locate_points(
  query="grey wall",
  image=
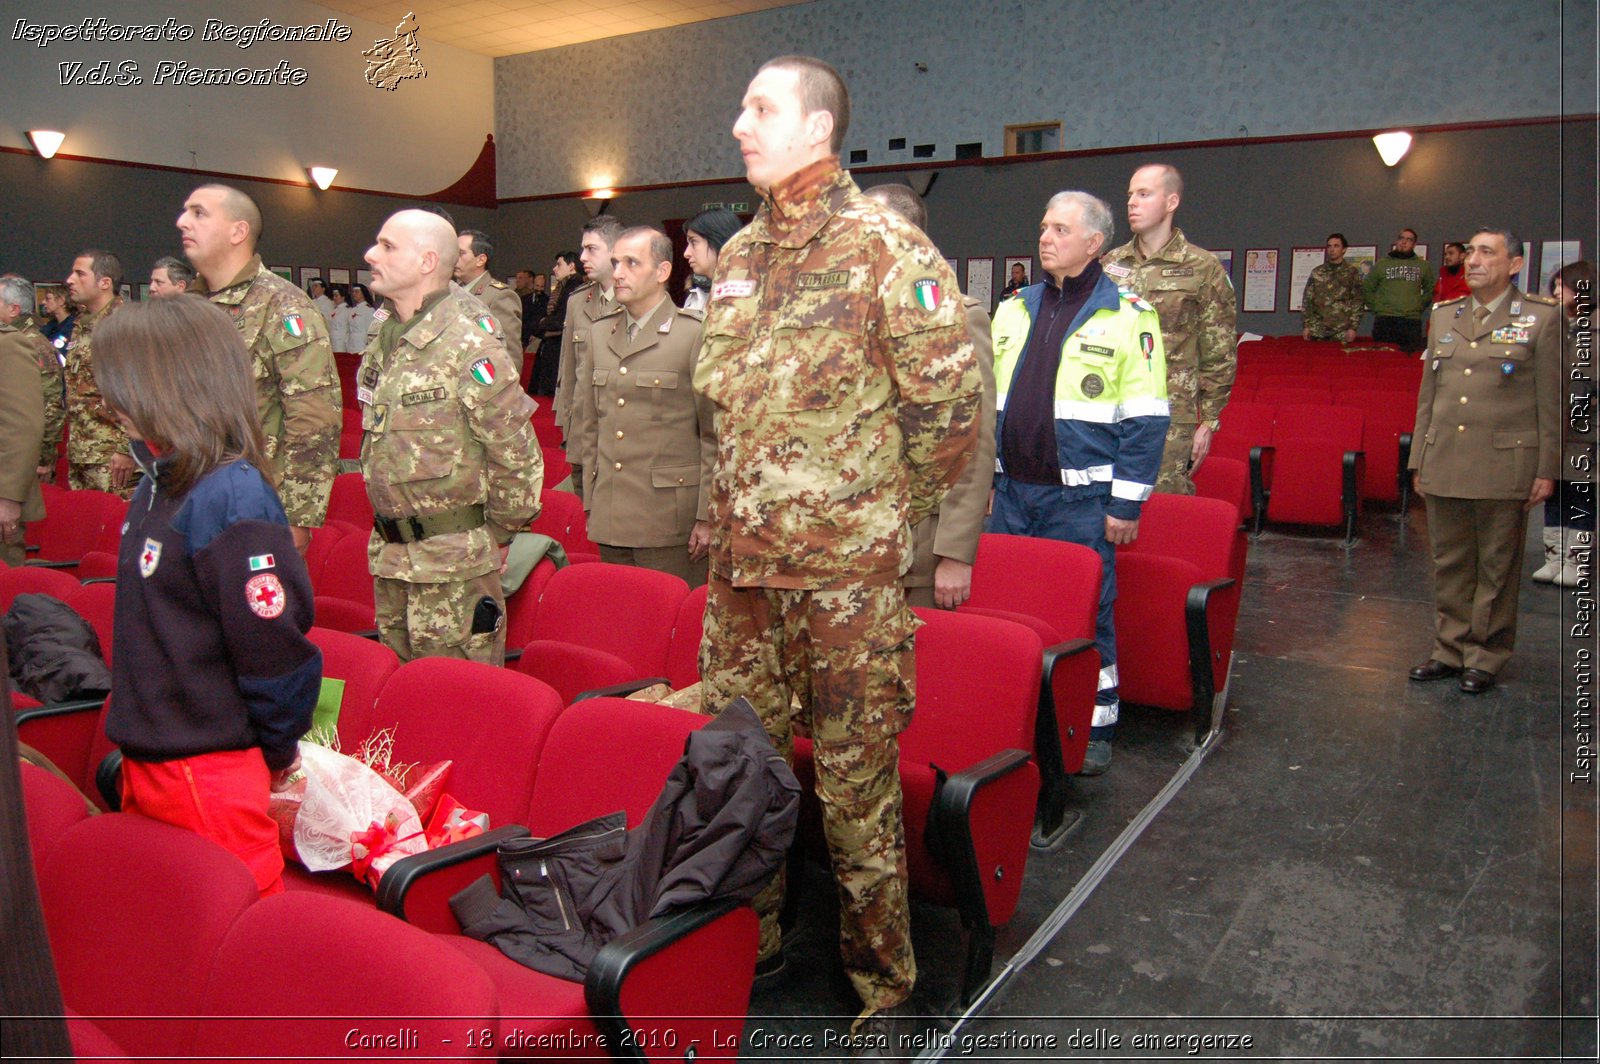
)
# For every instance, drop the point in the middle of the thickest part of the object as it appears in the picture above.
(658, 107)
(1538, 179)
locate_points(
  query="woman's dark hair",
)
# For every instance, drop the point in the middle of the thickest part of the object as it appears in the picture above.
(366, 293)
(716, 226)
(178, 370)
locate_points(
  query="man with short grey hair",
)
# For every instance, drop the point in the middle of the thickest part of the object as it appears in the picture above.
(170, 277)
(16, 310)
(22, 422)
(1081, 377)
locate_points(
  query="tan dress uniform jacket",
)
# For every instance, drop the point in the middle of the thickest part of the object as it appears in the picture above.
(587, 309)
(21, 426)
(53, 383)
(1489, 408)
(953, 529)
(650, 435)
(506, 306)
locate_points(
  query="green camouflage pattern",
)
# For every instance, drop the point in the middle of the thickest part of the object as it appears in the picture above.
(94, 434)
(836, 666)
(1173, 476)
(1195, 301)
(297, 385)
(1333, 303)
(96, 478)
(434, 620)
(52, 380)
(845, 386)
(439, 437)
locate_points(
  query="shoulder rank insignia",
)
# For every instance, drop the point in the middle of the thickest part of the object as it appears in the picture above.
(1450, 302)
(497, 284)
(1541, 300)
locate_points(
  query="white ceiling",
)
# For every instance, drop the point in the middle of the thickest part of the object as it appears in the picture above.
(511, 27)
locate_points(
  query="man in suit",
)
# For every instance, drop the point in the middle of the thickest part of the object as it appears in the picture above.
(1486, 450)
(648, 443)
(945, 543)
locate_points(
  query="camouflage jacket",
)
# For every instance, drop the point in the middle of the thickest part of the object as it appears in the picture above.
(846, 389)
(1192, 295)
(1333, 303)
(54, 384)
(297, 386)
(446, 425)
(94, 434)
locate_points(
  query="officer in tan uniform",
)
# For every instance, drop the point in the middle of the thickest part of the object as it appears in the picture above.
(16, 304)
(452, 466)
(587, 308)
(97, 445)
(945, 544)
(648, 444)
(297, 386)
(21, 426)
(505, 306)
(1194, 298)
(847, 399)
(1485, 451)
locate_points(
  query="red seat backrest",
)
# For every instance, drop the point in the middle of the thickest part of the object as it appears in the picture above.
(322, 541)
(79, 523)
(52, 805)
(342, 615)
(524, 604)
(97, 604)
(977, 689)
(1057, 582)
(561, 518)
(1275, 396)
(345, 573)
(621, 609)
(491, 722)
(1228, 479)
(556, 466)
(1330, 424)
(348, 501)
(30, 580)
(364, 666)
(1191, 527)
(98, 565)
(605, 755)
(1248, 423)
(683, 655)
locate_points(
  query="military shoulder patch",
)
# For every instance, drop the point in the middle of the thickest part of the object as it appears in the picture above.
(482, 371)
(487, 323)
(1137, 301)
(927, 292)
(294, 325)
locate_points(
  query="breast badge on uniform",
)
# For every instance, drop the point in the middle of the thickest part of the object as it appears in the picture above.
(149, 558)
(264, 595)
(927, 293)
(1092, 385)
(482, 371)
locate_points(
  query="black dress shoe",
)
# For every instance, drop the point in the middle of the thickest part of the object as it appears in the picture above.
(1433, 669)
(1476, 681)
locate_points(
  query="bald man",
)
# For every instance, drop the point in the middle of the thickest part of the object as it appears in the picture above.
(297, 386)
(453, 468)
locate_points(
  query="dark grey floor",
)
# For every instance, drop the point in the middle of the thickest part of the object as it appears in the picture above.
(1362, 867)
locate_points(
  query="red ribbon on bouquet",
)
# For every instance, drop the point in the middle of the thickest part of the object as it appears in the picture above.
(370, 845)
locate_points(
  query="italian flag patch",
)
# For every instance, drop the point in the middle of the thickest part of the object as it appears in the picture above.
(294, 325)
(482, 371)
(487, 323)
(927, 291)
(261, 561)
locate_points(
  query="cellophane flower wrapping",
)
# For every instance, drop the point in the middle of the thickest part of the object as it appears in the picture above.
(340, 800)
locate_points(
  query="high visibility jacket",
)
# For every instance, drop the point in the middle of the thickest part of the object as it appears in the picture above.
(1111, 412)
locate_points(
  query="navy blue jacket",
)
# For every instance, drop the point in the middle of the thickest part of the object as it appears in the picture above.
(213, 603)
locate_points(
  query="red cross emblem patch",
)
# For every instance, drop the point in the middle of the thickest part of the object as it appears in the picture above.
(149, 558)
(265, 596)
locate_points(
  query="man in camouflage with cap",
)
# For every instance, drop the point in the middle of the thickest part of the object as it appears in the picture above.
(97, 445)
(846, 399)
(452, 465)
(16, 310)
(297, 386)
(1192, 294)
(1333, 304)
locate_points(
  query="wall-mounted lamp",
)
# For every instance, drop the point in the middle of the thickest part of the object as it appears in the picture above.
(922, 181)
(46, 141)
(1392, 147)
(322, 176)
(599, 199)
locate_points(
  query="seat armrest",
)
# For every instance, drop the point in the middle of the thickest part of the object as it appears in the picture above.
(41, 563)
(1202, 674)
(417, 888)
(676, 982)
(620, 690)
(108, 780)
(1260, 482)
(1055, 730)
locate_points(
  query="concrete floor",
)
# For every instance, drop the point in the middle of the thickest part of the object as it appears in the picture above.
(1361, 868)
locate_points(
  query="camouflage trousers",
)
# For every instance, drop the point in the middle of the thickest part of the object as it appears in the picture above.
(98, 478)
(436, 620)
(844, 658)
(1174, 476)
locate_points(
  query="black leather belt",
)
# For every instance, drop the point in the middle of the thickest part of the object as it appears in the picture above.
(412, 529)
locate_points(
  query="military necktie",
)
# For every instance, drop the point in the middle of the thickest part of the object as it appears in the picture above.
(633, 331)
(1480, 316)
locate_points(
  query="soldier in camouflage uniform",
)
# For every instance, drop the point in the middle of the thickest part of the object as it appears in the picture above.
(1192, 294)
(297, 386)
(97, 445)
(452, 465)
(1333, 303)
(846, 400)
(16, 304)
(21, 421)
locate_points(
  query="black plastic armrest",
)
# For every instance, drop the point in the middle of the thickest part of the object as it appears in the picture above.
(1196, 610)
(108, 780)
(954, 820)
(408, 871)
(514, 653)
(99, 580)
(369, 633)
(620, 690)
(1354, 465)
(602, 988)
(57, 709)
(31, 548)
(1259, 492)
(1047, 727)
(41, 563)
